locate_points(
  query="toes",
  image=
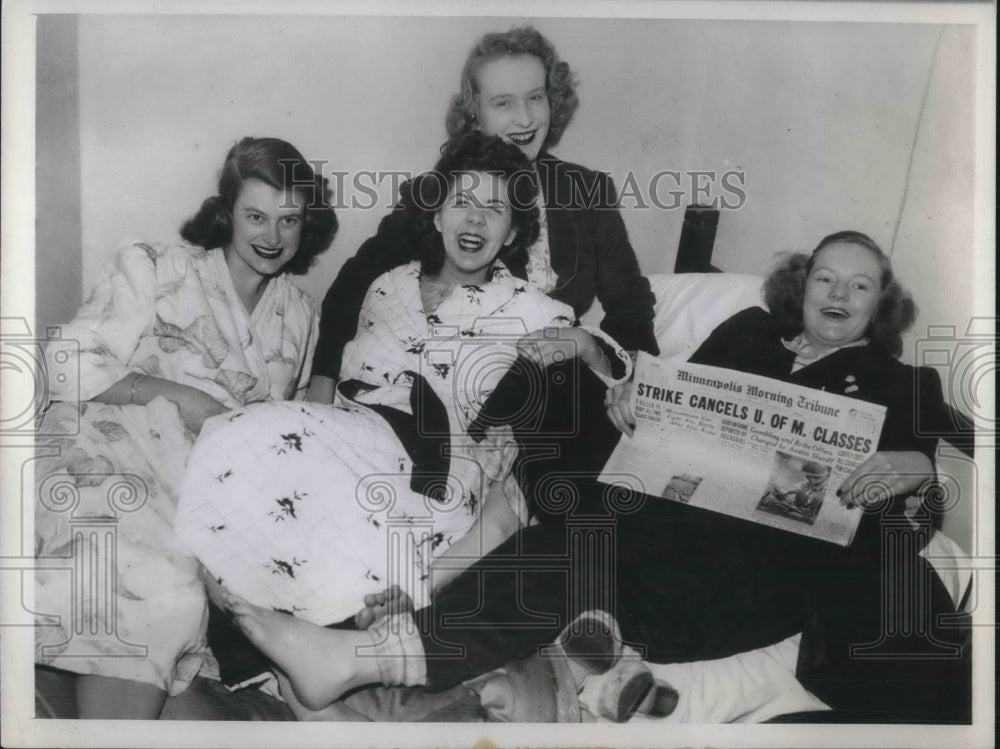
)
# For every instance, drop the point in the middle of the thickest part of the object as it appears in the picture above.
(401, 603)
(364, 618)
(392, 600)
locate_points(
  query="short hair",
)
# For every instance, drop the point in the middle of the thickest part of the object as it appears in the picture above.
(474, 152)
(784, 293)
(280, 165)
(463, 111)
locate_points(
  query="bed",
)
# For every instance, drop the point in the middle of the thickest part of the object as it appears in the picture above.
(755, 686)
(759, 685)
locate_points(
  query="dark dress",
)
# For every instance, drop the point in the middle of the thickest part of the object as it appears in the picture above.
(688, 584)
(589, 252)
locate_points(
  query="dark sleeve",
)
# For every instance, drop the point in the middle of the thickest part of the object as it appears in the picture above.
(915, 413)
(623, 291)
(736, 341)
(391, 246)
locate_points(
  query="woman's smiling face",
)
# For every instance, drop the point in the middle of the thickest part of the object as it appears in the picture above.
(475, 224)
(267, 228)
(514, 102)
(841, 295)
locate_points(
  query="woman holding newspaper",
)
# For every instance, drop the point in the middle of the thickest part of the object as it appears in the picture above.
(688, 584)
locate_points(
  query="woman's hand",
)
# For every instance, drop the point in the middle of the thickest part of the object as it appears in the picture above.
(195, 406)
(557, 345)
(616, 401)
(137, 389)
(898, 473)
(321, 389)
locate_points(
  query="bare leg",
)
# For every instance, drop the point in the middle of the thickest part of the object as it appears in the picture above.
(108, 698)
(213, 589)
(321, 664)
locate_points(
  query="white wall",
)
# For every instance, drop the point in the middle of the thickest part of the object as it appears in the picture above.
(935, 256)
(163, 98)
(820, 117)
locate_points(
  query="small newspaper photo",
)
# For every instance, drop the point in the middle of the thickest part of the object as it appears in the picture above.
(746, 446)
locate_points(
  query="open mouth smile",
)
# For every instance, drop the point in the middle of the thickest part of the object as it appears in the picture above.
(268, 253)
(522, 139)
(835, 313)
(468, 242)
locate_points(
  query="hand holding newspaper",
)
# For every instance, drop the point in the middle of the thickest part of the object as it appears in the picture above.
(746, 446)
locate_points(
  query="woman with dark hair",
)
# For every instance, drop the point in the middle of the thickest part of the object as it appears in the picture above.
(688, 584)
(172, 334)
(278, 164)
(514, 85)
(324, 504)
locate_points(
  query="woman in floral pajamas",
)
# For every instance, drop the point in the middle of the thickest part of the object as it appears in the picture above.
(306, 508)
(171, 335)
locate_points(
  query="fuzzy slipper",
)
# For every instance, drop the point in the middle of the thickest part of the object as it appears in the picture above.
(585, 675)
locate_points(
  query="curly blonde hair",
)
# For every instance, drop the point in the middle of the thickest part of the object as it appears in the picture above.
(463, 111)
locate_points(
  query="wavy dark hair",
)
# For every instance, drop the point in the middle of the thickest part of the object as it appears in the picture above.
(784, 292)
(474, 152)
(463, 111)
(280, 165)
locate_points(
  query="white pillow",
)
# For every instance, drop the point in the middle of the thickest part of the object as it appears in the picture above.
(689, 306)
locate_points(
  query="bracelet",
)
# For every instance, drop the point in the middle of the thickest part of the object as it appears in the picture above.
(134, 390)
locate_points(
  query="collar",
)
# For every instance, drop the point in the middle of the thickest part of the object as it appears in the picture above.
(806, 353)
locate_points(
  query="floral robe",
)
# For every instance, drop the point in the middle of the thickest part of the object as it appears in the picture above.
(306, 508)
(107, 487)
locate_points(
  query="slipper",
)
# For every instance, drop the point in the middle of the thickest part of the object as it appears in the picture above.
(588, 658)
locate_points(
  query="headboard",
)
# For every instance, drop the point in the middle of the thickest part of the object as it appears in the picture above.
(694, 251)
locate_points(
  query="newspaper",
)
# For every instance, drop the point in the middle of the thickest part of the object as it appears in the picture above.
(745, 445)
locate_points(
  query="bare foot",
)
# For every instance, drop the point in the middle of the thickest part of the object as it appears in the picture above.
(335, 711)
(390, 601)
(321, 664)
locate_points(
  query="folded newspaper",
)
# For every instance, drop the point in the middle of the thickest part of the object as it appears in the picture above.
(745, 445)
